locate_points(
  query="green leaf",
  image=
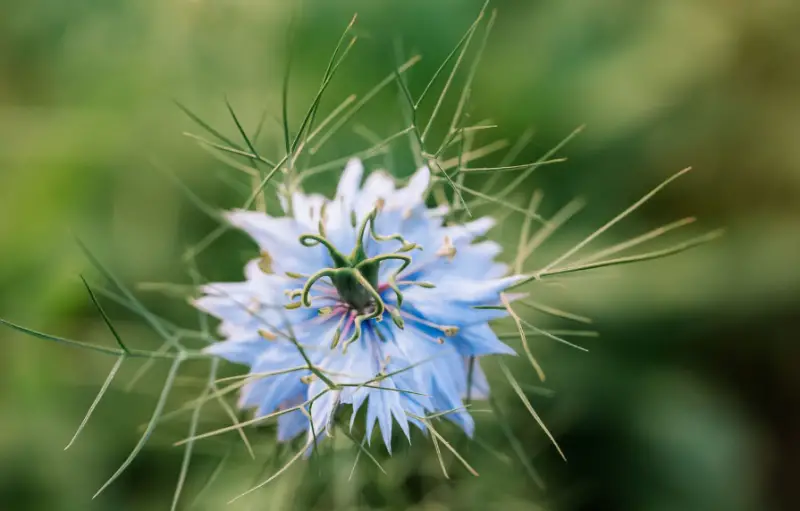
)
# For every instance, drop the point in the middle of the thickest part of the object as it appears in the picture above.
(162, 400)
(97, 399)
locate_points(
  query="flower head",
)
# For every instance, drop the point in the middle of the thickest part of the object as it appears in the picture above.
(363, 300)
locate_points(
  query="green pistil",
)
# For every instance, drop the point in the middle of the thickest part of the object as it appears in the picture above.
(355, 276)
(350, 289)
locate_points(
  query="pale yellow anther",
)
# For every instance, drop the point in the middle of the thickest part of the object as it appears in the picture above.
(254, 306)
(447, 249)
(266, 334)
(380, 204)
(265, 262)
(323, 213)
(323, 219)
(449, 331)
(325, 311)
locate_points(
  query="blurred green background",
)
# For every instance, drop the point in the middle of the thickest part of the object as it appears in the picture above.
(688, 400)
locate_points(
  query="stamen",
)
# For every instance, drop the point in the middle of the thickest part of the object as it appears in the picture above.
(338, 333)
(437, 340)
(323, 212)
(447, 330)
(265, 262)
(447, 249)
(420, 283)
(254, 306)
(380, 334)
(266, 334)
(397, 318)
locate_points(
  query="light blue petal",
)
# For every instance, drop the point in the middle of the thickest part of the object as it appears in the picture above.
(347, 190)
(280, 238)
(411, 195)
(479, 340)
(378, 186)
(384, 406)
(291, 425)
(239, 351)
(308, 210)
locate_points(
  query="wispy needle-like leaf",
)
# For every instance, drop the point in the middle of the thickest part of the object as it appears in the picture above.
(276, 474)
(97, 399)
(522, 337)
(162, 400)
(105, 316)
(529, 407)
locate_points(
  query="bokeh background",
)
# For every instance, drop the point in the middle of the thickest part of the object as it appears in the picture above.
(689, 399)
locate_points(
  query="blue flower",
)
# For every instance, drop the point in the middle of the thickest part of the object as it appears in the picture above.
(374, 293)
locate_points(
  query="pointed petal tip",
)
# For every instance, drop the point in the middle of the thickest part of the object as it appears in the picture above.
(505, 349)
(354, 164)
(235, 216)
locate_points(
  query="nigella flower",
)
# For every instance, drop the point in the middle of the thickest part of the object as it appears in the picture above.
(374, 293)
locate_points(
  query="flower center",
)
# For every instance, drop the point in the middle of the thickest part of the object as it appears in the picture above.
(355, 276)
(352, 291)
